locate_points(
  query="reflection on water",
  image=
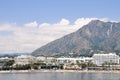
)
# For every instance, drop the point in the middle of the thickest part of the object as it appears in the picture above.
(60, 76)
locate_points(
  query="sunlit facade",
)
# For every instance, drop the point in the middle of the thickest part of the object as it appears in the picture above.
(99, 59)
(24, 59)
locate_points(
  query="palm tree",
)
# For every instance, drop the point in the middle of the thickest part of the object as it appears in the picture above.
(90, 64)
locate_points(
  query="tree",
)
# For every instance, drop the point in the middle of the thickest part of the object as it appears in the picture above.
(78, 63)
(9, 63)
(91, 64)
(105, 63)
(22, 67)
(83, 65)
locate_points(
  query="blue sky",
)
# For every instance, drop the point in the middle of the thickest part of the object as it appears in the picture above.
(26, 25)
(22, 11)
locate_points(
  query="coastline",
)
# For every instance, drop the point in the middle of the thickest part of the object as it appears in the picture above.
(59, 71)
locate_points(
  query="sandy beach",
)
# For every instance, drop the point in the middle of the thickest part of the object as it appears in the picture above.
(61, 71)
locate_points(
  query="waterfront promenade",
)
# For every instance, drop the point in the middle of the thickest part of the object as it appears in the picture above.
(81, 71)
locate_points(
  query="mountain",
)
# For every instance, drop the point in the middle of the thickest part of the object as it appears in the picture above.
(12, 54)
(95, 36)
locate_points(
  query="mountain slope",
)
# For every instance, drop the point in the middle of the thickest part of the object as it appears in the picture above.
(97, 35)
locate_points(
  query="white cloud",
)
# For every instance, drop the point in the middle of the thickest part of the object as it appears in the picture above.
(31, 24)
(104, 19)
(64, 22)
(44, 24)
(83, 21)
(5, 27)
(26, 39)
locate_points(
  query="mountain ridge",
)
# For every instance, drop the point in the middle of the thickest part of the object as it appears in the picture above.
(95, 36)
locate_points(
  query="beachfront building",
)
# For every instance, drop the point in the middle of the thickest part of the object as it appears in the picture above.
(51, 60)
(99, 59)
(24, 59)
(41, 59)
(5, 59)
(47, 60)
(73, 63)
(2, 64)
(65, 60)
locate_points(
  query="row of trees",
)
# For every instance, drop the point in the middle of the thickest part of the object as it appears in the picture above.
(9, 65)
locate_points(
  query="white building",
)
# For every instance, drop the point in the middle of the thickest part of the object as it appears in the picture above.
(41, 58)
(99, 59)
(24, 59)
(69, 61)
(51, 60)
(5, 59)
(65, 60)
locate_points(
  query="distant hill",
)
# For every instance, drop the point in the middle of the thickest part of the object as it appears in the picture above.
(95, 36)
(12, 54)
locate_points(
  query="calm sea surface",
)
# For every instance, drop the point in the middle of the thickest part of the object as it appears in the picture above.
(60, 76)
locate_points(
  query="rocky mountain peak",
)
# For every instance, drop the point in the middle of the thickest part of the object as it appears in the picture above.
(95, 36)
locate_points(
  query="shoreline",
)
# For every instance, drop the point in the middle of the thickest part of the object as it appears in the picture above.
(59, 71)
